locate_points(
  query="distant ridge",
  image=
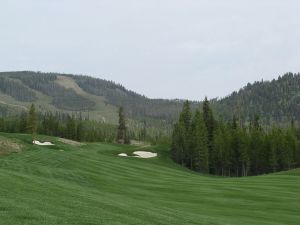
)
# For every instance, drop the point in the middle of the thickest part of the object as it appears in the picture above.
(276, 101)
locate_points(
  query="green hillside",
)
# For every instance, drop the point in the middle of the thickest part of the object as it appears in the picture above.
(276, 100)
(89, 184)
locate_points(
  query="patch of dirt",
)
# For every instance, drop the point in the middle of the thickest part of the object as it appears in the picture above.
(70, 142)
(68, 82)
(137, 143)
(7, 146)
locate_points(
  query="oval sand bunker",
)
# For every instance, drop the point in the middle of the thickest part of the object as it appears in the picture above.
(42, 143)
(140, 154)
(145, 155)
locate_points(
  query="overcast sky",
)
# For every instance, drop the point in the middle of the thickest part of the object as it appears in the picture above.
(160, 48)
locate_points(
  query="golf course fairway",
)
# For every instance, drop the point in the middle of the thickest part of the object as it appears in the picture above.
(89, 184)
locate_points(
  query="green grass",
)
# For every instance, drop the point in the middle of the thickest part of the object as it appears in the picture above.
(89, 184)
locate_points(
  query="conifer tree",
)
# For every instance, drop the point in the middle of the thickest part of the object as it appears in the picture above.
(23, 123)
(210, 125)
(199, 150)
(71, 128)
(79, 130)
(181, 136)
(32, 121)
(122, 136)
(177, 143)
(244, 152)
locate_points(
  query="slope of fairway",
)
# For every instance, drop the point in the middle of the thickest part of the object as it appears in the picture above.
(89, 184)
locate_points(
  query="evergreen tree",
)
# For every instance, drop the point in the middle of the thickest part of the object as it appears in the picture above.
(181, 136)
(23, 123)
(210, 124)
(32, 121)
(79, 131)
(177, 143)
(71, 128)
(185, 119)
(199, 156)
(122, 136)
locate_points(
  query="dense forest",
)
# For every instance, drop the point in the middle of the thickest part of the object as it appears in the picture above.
(204, 144)
(17, 90)
(275, 101)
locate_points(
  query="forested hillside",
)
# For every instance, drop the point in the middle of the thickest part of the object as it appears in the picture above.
(136, 105)
(275, 101)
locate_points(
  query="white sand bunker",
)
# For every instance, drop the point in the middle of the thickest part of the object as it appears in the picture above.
(42, 143)
(140, 154)
(145, 155)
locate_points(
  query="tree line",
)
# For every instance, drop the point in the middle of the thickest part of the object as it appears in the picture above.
(76, 127)
(204, 144)
(60, 125)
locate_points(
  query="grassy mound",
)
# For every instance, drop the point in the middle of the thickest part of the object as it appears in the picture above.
(89, 184)
(294, 172)
(8, 146)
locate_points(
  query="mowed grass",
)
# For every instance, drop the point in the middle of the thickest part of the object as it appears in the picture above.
(90, 184)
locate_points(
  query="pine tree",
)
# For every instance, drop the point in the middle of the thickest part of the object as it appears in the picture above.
(199, 155)
(80, 131)
(210, 124)
(289, 151)
(185, 120)
(221, 154)
(122, 136)
(32, 121)
(23, 123)
(177, 143)
(244, 152)
(71, 128)
(181, 136)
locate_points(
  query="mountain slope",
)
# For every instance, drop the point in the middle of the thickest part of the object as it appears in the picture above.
(89, 184)
(275, 101)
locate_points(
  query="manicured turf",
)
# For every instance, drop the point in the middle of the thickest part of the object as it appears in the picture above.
(89, 184)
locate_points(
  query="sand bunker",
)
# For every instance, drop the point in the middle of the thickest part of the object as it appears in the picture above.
(145, 155)
(140, 154)
(42, 143)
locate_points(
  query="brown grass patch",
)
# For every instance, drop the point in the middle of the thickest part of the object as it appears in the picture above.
(70, 142)
(7, 146)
